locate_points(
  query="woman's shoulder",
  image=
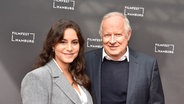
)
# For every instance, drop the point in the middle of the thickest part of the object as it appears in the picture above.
(42, 74)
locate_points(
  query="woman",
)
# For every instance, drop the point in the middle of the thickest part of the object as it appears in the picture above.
(59, 77)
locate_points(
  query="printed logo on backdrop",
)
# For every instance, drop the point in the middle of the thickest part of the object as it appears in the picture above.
(23, 37)
(164, 48)
(94, 42)
(134, 11)
(64, 4)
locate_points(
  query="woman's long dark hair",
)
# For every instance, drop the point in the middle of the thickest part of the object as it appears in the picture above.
(54, 36)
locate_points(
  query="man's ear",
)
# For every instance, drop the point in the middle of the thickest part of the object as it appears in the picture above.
(129, 34)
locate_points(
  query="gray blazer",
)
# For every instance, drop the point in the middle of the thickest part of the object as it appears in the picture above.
(144, 83)
(48, 85)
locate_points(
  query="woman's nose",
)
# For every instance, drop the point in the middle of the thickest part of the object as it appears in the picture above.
(69, 47)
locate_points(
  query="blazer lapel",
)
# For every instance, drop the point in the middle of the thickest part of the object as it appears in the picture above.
(60, 80)
(97, 78)
(133, 70)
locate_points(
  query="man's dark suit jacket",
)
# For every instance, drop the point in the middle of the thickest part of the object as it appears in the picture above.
(144, 84)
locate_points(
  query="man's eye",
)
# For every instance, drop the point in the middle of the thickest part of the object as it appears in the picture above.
(118, 35)
(107, 35)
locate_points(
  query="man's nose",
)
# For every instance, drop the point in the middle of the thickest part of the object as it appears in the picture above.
(112, 39)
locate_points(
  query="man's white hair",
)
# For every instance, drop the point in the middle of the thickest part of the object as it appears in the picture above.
(127, 23)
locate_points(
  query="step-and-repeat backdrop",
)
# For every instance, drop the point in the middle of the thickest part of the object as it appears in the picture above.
(158, 30)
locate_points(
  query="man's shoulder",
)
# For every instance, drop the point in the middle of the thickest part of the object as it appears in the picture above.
(95, 51)
(95, 54)
(141, 55)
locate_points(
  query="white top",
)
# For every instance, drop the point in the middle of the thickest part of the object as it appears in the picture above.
(82, 95)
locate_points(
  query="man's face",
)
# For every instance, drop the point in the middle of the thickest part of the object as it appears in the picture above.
(114, 37)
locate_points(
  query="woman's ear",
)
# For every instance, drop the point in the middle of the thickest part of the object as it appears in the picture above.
(53, 49)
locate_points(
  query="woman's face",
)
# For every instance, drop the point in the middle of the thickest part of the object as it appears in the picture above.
(67, 50)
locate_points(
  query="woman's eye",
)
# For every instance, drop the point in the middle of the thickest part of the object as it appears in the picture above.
(75, 42)
(63, 42)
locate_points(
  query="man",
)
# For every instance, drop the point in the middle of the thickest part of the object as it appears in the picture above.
(118, 74)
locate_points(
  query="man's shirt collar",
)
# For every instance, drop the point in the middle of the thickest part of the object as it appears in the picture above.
(125, 56)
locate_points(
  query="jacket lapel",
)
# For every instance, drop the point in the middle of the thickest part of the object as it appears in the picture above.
(97, 77)
(60, 80)
(133, 70)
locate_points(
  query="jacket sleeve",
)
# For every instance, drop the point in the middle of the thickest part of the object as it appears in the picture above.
(33, 90)
(156, 91)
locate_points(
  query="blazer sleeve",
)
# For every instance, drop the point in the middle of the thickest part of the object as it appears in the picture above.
(33, 90)
(156, 91)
